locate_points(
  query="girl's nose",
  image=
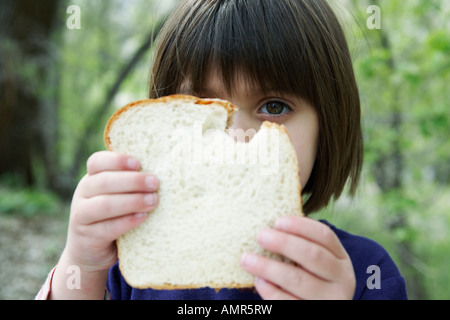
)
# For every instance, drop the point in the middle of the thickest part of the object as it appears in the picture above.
(243, 128)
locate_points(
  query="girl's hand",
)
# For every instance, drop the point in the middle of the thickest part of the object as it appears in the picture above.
(323, 268)
(110, 200)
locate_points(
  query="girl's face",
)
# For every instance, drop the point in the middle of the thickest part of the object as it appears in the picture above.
(255, 106)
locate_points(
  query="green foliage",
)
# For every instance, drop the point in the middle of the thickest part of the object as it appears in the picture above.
(28, 202)
(403, 69)
(90, 61)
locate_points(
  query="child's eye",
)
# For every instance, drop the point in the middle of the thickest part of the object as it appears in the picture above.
(275, 108)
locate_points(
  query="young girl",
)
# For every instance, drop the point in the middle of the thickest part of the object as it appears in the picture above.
(283, 61)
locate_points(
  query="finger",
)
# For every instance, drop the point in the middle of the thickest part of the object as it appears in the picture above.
(112, 182)
(292, 279)
(110, 230)
(309, 255)
(269, 291)
(111, 161)
(106, 207)
(313, 230)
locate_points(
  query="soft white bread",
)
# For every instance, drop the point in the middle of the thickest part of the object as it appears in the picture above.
(216, 194)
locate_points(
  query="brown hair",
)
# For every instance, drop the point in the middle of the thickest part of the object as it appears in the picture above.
(292, 46)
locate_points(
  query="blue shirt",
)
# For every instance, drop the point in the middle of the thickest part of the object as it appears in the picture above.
(377, 277)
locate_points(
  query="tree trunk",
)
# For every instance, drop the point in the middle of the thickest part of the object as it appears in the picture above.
(26, 29)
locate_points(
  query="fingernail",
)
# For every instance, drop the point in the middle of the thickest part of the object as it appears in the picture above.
(151, 182)
(133, 164)
(265, 237)
(150, 199)
(248, 259)
(282, 223)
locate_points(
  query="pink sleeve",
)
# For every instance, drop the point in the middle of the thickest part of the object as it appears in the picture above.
(44, 293)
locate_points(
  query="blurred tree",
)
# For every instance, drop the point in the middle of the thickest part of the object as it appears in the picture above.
(25, 58)
(54, 79)
(96, 121)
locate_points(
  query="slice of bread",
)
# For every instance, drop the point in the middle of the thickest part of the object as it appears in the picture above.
(216, 192)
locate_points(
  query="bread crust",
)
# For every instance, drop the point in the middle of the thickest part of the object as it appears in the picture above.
(230, 108)
(169, 286)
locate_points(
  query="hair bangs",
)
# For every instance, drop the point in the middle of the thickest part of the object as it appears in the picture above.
(244, 38)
